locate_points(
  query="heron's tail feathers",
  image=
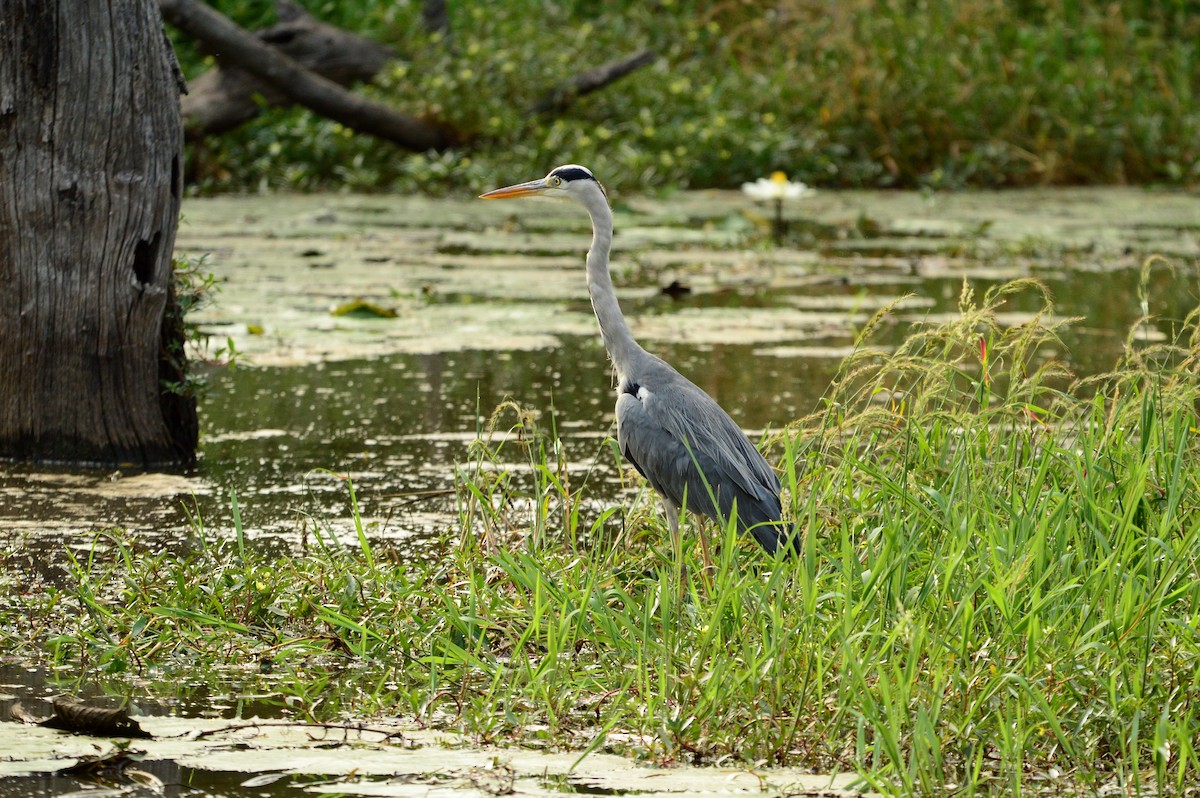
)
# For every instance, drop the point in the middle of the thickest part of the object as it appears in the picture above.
(762, 517)
(774, 535)
(759, 514)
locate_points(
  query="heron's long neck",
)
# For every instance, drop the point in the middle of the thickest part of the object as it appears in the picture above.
(618, 340)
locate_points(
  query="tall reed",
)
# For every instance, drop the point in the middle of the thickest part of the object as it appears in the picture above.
(998, 589)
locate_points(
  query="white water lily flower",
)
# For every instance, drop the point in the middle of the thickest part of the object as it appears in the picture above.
(776, 187)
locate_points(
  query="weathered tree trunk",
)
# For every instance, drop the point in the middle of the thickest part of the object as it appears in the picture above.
(90, 171)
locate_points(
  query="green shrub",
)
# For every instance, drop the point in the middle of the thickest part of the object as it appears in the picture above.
(863, 93)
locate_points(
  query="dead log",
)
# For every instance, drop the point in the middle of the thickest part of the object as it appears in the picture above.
(226, 97)
(235, 47)
(79, 718)
(565, 94)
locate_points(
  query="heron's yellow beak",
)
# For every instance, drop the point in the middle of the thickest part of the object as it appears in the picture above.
(519, 190)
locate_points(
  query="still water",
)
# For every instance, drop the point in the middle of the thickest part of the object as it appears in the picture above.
(401, 425)
(490, 305)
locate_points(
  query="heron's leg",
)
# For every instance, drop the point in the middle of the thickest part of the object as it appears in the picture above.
(708, 563)
(672, 513)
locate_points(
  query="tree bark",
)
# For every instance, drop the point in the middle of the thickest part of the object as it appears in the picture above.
(235, 46)
(225, 97)
(90, 172)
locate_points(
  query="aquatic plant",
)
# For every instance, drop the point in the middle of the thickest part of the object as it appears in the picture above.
(997, 590)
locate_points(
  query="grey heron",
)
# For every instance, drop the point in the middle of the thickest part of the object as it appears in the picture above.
(669, 429)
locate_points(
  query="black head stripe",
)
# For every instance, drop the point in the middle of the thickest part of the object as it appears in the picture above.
(573, 173)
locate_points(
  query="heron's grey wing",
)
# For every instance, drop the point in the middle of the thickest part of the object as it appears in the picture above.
(692, 452)
(650, 448)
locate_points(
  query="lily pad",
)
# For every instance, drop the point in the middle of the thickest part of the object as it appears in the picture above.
(361, 309)
(391, 758)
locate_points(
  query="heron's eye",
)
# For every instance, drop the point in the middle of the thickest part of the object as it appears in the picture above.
(556, 181)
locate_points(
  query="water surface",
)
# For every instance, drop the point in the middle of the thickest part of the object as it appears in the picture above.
(491, 305)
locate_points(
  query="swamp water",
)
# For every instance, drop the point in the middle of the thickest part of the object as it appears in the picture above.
(490, 305)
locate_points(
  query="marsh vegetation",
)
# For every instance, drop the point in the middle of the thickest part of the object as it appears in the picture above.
(868, 94)
(997, 590)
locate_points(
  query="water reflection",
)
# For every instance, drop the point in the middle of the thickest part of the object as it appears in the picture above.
(401, 425)
(162, 779)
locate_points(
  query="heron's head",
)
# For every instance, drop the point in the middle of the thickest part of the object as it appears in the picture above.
(569, 181)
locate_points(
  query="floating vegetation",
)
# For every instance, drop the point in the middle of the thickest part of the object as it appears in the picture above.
(361, 309)
(996, 592)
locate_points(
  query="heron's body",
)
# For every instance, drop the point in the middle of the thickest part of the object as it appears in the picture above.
(670, 430)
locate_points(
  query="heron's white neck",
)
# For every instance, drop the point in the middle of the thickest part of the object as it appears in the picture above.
(618, 340)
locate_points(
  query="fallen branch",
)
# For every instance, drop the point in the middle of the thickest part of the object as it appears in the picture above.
(80, 718)
(345, 728)
(435, 17)
(226, 97)
(562, 96)
(237, 47)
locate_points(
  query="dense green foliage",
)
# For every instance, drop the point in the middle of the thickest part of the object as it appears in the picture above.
(998, 590)
(862, 93)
